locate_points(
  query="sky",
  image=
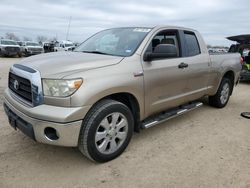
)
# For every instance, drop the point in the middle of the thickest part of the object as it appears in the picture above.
(215, 19)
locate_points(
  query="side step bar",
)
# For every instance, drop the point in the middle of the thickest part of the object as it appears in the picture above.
(164, 116)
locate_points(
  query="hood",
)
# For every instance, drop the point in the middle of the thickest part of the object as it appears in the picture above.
(61, 64)
(242, 39)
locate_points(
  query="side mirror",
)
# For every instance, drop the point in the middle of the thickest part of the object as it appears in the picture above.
(161, 51)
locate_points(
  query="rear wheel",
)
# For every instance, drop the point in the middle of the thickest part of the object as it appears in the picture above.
(221, 98)
(106, 131)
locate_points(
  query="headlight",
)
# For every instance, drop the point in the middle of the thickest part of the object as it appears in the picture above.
(60, 88)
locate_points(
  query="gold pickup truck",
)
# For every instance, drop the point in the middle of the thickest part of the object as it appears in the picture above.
(118, 81)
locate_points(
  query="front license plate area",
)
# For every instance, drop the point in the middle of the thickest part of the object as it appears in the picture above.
(12, 121)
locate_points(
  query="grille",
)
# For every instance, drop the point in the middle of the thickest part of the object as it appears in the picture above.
(35, 49)
(12, 49)
(20, 86)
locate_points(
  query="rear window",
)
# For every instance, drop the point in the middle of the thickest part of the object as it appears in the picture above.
(193, 47)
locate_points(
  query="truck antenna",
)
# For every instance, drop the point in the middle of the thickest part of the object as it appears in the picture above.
(68, 28)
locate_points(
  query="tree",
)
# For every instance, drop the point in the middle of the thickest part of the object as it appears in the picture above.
(41, 38)
(11, 36)
(54, 39)
(27, 38)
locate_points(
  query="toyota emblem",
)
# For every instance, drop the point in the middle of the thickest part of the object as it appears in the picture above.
(16, 85)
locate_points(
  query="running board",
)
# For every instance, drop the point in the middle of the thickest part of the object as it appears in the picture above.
(164, 116)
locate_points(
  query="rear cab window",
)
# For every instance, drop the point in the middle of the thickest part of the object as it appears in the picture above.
(192, 44)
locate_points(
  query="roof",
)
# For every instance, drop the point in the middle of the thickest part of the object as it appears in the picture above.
(242, 39)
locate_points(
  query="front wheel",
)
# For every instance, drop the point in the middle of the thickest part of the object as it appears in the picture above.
(106, 131)
(221, 98)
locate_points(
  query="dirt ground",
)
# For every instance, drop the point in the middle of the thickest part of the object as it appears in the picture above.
(207, 147)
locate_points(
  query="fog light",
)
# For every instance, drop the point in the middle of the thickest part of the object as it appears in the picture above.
(51, 133)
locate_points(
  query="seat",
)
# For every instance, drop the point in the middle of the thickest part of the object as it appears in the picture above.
(155, 42)
(168, 41)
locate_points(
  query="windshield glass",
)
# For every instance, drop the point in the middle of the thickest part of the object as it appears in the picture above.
(32, 44)
(118, 41)
(68, 45)
(8, 42)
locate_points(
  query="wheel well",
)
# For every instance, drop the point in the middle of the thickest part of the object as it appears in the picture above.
(230, 76)
(131, 102)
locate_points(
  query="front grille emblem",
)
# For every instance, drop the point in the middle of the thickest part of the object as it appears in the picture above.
(16, 85)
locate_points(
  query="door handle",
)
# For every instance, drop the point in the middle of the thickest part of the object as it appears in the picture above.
(182, 65)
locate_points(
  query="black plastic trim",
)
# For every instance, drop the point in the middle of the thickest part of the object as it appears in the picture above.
(22, 67)
(17, 122)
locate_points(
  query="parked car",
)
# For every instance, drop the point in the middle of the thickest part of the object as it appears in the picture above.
(48, 47)
(9, 48)
(64, 46)
(242, 47)
(118, 81)
(31, 48)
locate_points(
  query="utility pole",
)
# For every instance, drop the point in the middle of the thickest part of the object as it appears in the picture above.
(67, 36)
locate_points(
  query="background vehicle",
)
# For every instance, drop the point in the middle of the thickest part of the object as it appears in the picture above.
(31, 48)
(116, 82)
(64, 46)
(9, 48)
(48, 47)
(242, 47)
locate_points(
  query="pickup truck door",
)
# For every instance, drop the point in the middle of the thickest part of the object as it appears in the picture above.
(198, 65)
(165, 82)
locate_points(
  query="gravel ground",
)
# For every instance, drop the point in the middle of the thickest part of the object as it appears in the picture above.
(207, 147)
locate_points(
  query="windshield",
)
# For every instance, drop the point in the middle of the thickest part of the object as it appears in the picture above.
(118, 41)
(68, 45)
(8, 42)
(32, 44)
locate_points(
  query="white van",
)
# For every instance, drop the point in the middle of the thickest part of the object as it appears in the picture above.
(64, 46)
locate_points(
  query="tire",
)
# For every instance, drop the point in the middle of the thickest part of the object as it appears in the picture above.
(106, 131)
(221, 98)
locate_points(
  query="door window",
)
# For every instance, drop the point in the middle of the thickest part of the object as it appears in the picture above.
(165, 37)
(192, 44)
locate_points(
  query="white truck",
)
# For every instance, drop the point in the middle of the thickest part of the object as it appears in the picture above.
(31, 48)
(9, 48)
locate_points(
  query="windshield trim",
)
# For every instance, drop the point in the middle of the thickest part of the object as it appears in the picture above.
(75, 50)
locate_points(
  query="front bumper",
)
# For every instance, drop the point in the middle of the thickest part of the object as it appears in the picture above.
(34, 121)
(29, 52)
(9, 53)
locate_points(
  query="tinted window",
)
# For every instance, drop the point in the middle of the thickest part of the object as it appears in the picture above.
(192, 44)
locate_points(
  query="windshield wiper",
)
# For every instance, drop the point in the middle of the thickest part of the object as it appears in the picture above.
(96, 52)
